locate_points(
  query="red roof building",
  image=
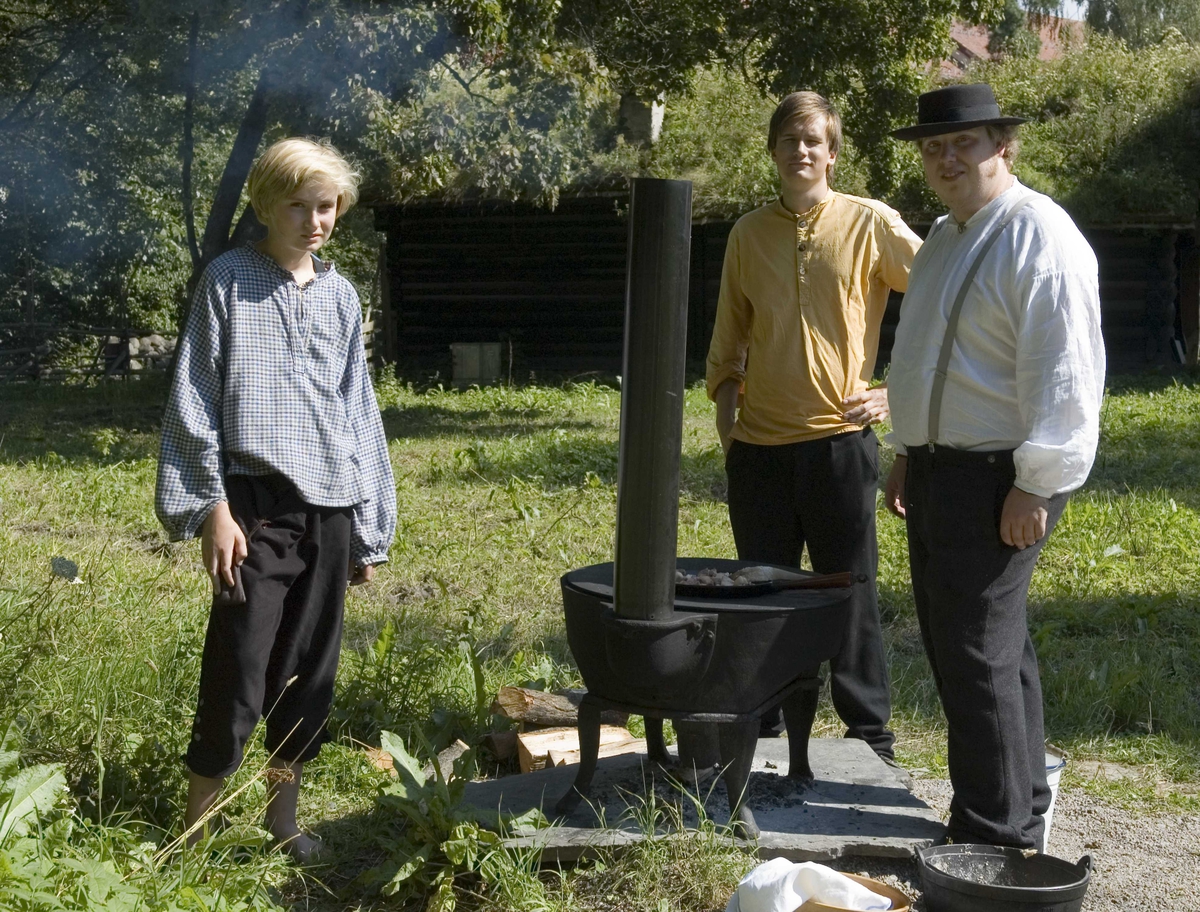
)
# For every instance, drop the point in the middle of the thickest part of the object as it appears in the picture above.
(971, 42)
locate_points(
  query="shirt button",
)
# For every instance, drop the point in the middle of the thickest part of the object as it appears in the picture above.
(802, 246)
(991, 459)
(804, 224)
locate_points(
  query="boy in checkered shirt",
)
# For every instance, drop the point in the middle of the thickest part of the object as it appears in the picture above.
(273, 452)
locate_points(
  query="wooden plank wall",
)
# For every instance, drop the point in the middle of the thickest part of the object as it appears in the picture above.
(551, 286)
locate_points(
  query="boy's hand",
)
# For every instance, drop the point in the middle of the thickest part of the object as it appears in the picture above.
(360, 575)
(223, 545)
(726, 399)
(866, 408)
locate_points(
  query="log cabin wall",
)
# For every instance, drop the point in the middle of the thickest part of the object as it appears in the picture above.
(550, 286)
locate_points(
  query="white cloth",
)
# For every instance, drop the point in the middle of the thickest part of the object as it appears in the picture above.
(780, 885)
(1027, 369)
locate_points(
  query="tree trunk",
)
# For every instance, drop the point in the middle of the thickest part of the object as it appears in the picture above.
(188, 149)
(237, 168)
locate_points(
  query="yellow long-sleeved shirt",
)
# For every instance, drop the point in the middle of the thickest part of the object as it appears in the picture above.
(802, 298)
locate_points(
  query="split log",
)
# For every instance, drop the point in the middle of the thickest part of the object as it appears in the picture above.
(445, 760)
(503, 745)
(558, 746)
(537, 707)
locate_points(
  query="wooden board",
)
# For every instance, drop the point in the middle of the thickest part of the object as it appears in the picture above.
(535, 749)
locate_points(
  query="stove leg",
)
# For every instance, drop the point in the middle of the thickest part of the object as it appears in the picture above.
(738, 740)
(656, 744)
(589, 752)
(799, 713)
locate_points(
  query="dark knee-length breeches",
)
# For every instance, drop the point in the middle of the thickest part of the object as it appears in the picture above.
(277, 654)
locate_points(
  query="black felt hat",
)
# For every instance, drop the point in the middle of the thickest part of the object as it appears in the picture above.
(956, 107)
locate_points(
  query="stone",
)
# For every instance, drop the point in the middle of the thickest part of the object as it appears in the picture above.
(858, 806)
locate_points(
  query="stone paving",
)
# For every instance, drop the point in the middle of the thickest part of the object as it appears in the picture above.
(859, 806)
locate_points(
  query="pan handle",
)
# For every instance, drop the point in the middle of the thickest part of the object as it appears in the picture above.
(824, 581)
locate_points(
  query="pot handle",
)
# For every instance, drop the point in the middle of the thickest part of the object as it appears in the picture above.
(1086, 863)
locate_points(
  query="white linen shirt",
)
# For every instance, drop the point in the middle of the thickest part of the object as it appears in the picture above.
(271, 376)
(1027, 369)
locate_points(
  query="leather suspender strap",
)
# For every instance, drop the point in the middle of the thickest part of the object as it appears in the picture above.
(943, 362)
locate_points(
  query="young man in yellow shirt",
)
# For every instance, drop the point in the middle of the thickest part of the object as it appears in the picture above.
(803, 292)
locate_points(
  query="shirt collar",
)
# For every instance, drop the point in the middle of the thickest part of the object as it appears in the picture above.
(779, 208)
(996, 206)
(321, 269)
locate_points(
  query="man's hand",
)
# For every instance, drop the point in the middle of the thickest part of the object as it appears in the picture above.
(1023, 519)
(359, 575)
(866, 408)
(726, 399)
(223, 545)
(893, 492)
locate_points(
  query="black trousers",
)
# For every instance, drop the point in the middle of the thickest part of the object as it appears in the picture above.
(290, 627)
(970, 589)
(822, 493)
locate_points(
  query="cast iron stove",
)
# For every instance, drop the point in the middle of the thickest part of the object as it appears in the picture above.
(712, 666)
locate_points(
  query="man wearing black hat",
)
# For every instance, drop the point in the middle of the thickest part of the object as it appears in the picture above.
(995, 387)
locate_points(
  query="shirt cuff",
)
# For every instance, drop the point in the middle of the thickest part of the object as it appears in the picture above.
(719, 375)
(1030, 488)
(363, 557)
(191, 528)
(893, 440)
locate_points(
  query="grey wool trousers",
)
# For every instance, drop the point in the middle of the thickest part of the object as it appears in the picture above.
(970, 590)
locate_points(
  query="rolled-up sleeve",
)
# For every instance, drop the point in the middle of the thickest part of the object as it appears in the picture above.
(731, 331)
(1060, 366)
(374, 522)
(190, 471)
(897, 244)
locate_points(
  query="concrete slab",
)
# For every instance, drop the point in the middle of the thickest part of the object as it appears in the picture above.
(859, 806)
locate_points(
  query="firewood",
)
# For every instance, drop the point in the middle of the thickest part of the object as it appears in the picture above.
(535, 749)
(537, 707)
(503, 745)
(446, 758)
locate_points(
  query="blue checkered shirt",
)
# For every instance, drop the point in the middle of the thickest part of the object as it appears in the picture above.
(272, 377)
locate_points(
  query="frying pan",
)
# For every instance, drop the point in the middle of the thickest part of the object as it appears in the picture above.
(822, 581)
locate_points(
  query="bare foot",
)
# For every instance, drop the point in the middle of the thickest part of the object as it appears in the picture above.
(303, 848)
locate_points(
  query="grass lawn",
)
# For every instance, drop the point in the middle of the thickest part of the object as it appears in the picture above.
(500, 491)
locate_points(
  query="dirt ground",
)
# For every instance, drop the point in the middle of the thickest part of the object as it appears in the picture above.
(1141, 862)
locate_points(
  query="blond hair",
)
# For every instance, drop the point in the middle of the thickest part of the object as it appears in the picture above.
(806, 106)
(1005, 135)
(290, 164)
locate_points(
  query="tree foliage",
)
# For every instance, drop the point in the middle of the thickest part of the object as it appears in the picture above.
(1112, 129)
(127, 129)
(1138, 22)
(1011, 36)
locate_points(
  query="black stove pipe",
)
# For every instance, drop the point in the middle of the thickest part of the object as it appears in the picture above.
(656, 298)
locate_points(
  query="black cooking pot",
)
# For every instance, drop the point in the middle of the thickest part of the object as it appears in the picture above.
(984, 878)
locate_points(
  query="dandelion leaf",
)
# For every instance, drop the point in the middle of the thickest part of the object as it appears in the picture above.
(31, 792)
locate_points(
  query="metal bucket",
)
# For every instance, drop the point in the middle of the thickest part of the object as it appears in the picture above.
(1056, 762)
